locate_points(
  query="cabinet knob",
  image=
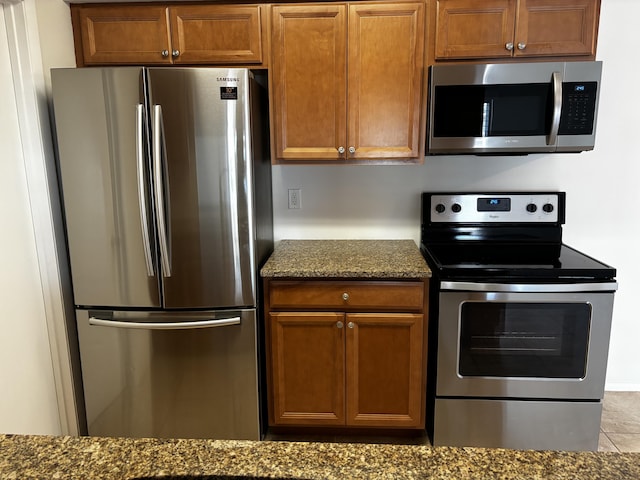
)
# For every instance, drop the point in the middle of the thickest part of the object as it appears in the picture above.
(350, 325)
(340, 149)
(352, 149)
(339, 324)
(165, 53)
(522, 46)
(345, 296)
(509, 46)
(175, 53)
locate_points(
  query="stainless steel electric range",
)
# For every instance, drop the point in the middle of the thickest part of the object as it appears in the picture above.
(520, 323)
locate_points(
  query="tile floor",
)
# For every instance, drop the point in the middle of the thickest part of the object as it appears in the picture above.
(620, 426)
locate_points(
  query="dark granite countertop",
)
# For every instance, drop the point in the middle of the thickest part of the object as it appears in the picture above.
(89, 458)
(346, 259)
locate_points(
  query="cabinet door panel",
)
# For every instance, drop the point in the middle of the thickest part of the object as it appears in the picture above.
(307, 353)
(124, 35)
(216, 34)
(474, 29)
(556, 27)
(309, 81)
(384, 365)
(385, 63)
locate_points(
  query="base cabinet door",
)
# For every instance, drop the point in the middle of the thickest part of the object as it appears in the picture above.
(307, 368)
(384, 369)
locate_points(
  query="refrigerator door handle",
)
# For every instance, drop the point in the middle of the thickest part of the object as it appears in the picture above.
(206, 323)
(160, 179)
(142, 196)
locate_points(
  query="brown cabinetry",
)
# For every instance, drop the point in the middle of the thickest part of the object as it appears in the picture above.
(347, 81)
(157, 34)
(472, 29)
(351, 354)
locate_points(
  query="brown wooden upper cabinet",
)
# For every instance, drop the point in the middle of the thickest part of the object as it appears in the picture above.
(157, 34)
(473, 29)
(347, 82)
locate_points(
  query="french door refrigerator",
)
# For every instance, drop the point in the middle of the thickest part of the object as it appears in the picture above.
(166, 185)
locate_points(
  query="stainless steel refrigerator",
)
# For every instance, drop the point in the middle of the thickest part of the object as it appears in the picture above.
(166, 185)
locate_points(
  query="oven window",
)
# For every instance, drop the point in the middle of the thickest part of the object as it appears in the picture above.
(546, 340)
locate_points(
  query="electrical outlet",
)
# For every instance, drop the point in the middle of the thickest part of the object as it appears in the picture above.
(295, 198)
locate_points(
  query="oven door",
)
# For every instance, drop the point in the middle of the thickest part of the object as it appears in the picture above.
(523, 341)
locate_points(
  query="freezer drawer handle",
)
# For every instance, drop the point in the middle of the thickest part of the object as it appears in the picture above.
(214, 322)
(142, 195)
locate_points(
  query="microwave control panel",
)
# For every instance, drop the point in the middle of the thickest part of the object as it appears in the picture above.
(578, 108)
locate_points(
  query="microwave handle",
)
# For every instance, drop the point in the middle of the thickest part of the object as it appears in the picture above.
(556, 79)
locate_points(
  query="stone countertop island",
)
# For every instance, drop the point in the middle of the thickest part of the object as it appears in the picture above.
(89, 458)
(346, 259)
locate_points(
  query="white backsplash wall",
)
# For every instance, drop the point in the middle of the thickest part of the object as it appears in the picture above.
(603, 189)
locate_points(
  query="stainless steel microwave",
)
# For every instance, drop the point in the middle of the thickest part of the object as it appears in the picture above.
(514, 108)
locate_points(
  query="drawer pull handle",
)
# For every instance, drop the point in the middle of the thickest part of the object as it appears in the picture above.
(350, 325)
(345, 296)
(339, 324)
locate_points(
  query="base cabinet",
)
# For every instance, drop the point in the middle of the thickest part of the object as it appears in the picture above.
(346, 368)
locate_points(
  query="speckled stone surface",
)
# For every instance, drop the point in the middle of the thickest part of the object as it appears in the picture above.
(346, 259)
(42, 457)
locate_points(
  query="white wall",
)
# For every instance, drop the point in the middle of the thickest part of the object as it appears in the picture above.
(28, 401)
(602, 189)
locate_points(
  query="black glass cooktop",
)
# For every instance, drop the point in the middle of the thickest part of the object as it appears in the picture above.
(469, 260)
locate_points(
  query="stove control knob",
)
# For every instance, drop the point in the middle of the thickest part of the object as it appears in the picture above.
(456, 207)
(547, 207)
(532, 208)
(440, 208)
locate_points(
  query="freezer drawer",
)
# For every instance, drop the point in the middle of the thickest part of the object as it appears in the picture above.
(170, 375)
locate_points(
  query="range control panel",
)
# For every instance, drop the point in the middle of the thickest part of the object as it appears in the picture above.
(497, 207)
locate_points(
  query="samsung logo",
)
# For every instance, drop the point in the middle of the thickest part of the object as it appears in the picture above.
(228, 79)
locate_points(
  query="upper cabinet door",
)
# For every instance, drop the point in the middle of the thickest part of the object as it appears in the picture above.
(309, 81)
(473, 29)
(122, 34)
(216, 34)
(385, 62)
(556, 27)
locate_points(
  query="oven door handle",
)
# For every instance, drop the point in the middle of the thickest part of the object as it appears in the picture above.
(530, 287)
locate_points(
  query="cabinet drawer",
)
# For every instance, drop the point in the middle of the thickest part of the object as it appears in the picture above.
(345, 295)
